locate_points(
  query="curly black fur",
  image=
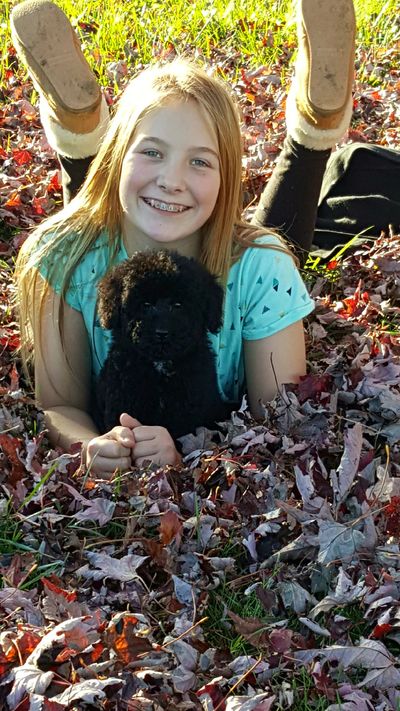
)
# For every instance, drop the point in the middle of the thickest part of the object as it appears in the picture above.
(160, 367)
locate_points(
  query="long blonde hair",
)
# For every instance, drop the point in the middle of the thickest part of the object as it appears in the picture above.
(63, 239)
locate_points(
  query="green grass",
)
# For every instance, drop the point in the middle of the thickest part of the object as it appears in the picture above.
(219, 632)
(258, 32)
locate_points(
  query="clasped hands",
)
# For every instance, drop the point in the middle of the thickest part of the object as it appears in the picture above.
(127, 444)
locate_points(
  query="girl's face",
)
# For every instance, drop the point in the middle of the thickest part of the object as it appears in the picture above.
(170, 178)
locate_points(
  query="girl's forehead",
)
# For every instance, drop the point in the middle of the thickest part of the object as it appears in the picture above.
(179, 118)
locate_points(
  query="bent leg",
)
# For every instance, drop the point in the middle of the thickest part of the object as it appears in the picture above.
(318, 112)
(289, 201)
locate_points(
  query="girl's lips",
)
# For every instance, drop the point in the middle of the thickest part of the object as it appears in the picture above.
(163, 206)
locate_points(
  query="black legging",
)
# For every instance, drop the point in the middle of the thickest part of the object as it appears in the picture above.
(288, 203)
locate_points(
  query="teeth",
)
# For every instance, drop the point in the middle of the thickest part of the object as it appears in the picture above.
(164, 205)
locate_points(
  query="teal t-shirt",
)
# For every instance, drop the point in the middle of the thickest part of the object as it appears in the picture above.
(264, 294)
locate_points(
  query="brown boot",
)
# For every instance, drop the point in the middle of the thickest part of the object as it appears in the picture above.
(319, 103)
(49, 47)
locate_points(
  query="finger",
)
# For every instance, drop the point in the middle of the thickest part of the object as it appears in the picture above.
(145, 449)
(123, 435)
(108, 448)
(128, 421)
(145, 433)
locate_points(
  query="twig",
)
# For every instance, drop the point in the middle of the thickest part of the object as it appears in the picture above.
(239, 681)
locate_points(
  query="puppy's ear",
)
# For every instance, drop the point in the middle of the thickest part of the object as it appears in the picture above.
(110, 296)
(213, 301)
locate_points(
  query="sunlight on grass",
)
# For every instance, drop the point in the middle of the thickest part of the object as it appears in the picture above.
(143, 31)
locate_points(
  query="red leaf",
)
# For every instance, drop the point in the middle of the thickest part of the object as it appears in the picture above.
(332, 264)
(27, 641)
(69, 596)
(22, 157)
(38, 205)
(392, 511)
(311, 386)
(122, 637)
(3, 153)
(8, 660)
(380, 631)
(8, 339)
(54, 185)
(10, 446)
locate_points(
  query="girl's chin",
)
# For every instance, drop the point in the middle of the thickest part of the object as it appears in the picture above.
(144, 236)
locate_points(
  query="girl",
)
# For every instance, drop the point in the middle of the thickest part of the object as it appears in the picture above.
(167, 175)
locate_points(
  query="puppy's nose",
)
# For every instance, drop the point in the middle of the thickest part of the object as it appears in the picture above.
(161, 334)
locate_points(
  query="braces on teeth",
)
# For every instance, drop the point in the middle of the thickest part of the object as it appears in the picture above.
(164, 206)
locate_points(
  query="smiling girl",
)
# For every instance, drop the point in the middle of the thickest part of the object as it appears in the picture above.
(168, 175)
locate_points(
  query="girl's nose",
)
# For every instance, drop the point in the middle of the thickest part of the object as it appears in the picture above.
(171, 177)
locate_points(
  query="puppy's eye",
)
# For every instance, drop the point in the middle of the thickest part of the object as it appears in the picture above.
(147, 305)
(177, 305)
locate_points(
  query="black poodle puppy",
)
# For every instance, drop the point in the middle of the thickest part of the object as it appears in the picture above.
(160, 367)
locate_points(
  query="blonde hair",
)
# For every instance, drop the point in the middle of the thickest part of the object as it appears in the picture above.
(62, 240)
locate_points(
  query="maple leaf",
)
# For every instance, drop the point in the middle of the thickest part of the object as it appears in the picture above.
(368, 654)
(78, 633)
(27, 679)
(59, 604)
(89, 691)
(69, 596)
(100, 510)
(123, 569)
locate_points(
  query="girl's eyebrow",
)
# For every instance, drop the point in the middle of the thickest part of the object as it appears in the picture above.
(160, 142)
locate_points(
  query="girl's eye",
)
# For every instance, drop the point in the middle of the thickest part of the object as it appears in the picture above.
(152, 153)
(201, 163)
(147, 305)
(177, 305)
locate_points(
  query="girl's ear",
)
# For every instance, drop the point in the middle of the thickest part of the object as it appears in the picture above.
(214, 299)
(110, 292)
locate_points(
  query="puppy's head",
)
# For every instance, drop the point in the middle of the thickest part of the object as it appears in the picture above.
(161, 302)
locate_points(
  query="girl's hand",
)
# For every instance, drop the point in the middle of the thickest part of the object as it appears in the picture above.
(110, 451)
(151, 442)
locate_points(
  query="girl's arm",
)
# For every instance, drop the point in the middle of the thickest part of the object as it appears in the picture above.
(62, 380)
(272, 361)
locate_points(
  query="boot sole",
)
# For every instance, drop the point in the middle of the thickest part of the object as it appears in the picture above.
(47, 43)
(331, 47)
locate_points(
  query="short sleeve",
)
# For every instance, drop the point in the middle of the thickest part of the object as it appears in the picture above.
(273, 293)
(51, 268)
